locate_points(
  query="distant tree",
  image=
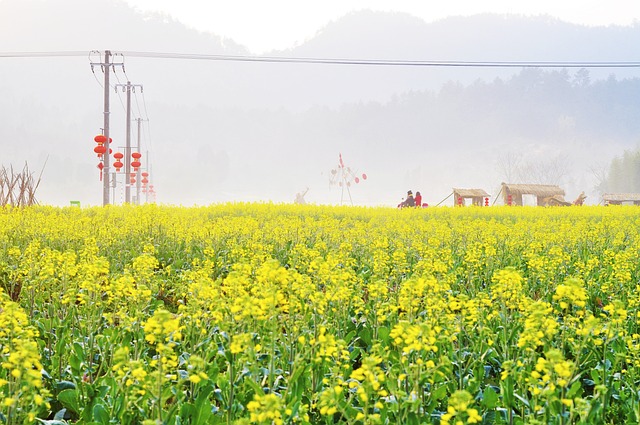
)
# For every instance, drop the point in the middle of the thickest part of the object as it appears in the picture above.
(582, 78)
(545, 170)
(509, 165)
(600, 173)
(624, 173)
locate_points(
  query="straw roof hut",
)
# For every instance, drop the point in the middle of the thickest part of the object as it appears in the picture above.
(477, 196)
(512, 193)
(619, 198)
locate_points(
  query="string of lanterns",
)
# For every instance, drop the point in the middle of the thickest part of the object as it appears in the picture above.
(101, 150)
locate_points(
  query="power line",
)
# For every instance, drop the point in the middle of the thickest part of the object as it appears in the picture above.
(343, 61)
(42, 54)
(389, 62)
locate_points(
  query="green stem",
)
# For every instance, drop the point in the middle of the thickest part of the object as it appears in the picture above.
(160, 388)
(231, 390)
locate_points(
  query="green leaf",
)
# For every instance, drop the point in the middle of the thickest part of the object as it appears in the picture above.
(254, 386)
(69, 399)
(365, 336)
(439, 393)
(75, 362)
(202, 408)
(573, 390)
(489, 398)
(60, 414)
(383, 334)
(489, 417)
(65, 385)
(100, 414)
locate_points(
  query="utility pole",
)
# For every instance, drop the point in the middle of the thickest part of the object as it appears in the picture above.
(106, 66)
(139, 120)
(107, 174)
(127, 155)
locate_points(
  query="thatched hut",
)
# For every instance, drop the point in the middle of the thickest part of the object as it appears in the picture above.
(477, 196)
(620, 198)
(546, 194)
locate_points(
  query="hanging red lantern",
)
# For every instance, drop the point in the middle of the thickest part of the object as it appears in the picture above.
(118, 165)
(100, 167)
(133, 179)
(136, 165)
(100, 139)
(118, 155)
(357, 180)
(145, 180)
(100, 150)
(136, 155)
(145, 174)
(364, 176)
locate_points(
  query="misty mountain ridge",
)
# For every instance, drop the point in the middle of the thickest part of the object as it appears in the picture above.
(221, 131)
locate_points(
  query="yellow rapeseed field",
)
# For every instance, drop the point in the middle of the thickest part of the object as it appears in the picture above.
(290, 314)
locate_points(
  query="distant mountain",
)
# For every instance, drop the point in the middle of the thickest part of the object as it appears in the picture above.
(255, 131)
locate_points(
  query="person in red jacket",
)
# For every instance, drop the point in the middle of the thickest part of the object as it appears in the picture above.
(418, 200)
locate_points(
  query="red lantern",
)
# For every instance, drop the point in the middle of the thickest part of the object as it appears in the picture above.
(357, 180)
(100, 150)
(364, 176)
(136, 155)
(135, 165)
(100, 167)
(133, 180)
(145, 174)
(118, 165)
(100, 139)
(118, 156)
(145, 180)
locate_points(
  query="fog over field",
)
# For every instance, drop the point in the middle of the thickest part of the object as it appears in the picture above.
(234, 131)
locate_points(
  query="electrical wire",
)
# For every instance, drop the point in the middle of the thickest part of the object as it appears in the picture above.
(144, 103)
(124, 108)
(340, 61)
(43, 54)
(387, 62)
(93, 71)
(135, 95)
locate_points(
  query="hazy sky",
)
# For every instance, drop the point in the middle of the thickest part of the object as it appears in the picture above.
(263, 25)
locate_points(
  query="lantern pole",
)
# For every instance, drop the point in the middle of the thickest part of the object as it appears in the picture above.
(107, 175)
(106, 67)
(127, 150)
(138, 173)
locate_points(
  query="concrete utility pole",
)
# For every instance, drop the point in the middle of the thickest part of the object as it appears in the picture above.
(138, 175)
(106, 66)
(105, 187)
(127, 154)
